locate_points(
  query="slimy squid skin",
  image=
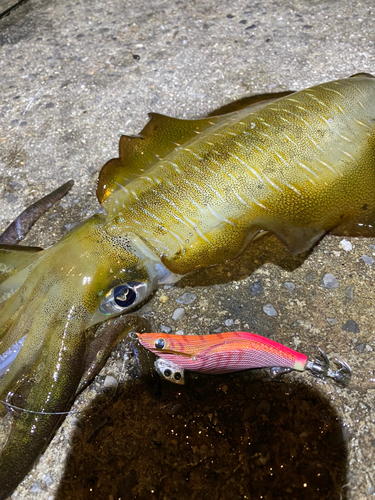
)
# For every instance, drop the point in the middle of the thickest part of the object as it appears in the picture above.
(182, 195)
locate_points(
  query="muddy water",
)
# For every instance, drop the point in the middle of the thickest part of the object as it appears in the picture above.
(221, 437)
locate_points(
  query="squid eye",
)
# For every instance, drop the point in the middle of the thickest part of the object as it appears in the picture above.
(122, 297)
(160, 343)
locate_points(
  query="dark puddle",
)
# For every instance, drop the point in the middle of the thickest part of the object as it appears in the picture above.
(220, 437)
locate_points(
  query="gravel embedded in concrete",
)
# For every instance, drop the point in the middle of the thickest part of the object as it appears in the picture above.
(346, 245)
(256, 288)
(332, 321)
(269, 310)
(367, 260)
(350, 326)
(178, 314)
(186, 298)
(329, 281)
(289, 286)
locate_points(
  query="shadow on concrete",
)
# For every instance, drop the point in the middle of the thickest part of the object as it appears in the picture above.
(220, 437)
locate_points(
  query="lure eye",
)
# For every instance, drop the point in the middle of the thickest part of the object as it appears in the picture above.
(159, 344)
(177, 376)
(167, 373)
(122, 297)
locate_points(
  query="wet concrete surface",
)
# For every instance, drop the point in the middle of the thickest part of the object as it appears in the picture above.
(74, 76)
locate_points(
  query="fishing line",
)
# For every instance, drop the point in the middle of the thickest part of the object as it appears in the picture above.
(74, 412)
(13, 407)
(98, 406)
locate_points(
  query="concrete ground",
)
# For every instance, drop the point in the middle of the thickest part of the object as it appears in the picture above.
(74, 76)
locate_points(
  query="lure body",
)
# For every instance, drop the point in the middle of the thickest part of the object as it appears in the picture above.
(231, 352)
(222, 352)
(182, 195)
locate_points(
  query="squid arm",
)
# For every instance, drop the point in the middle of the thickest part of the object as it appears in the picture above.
(105, 340)
(18, 229)
(77, 359)
(46, 376)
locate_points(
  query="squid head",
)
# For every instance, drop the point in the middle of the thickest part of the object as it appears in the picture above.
(56, 298)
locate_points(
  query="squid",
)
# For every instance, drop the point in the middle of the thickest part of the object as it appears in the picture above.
(182, 195)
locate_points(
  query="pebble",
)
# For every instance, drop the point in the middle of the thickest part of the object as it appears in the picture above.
(367, 260)
(269, 310)
(178, 314)
(175, 410)
(360, 348)
(329, 281)
(350, 326)
(228, 322)
(163, 299)
(186, 298)
(346, 245)
(110, 381)
(264, 407)
(180, 332)
(36, 487)
(165, 329)
(349, 292)
(310, 277)
(256, 288)
(331, 321)
(48, 479)
(247, 413)
(290, 286)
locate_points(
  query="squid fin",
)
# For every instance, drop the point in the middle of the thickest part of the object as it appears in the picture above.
(361, 75)
(161, 135)
(357, 227)
(295, 239)
(298, 240)
(255, 102)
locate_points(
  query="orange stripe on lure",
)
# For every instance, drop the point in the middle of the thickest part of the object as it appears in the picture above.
(231, 352)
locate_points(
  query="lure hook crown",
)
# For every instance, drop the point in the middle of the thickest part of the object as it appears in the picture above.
(320, 368)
